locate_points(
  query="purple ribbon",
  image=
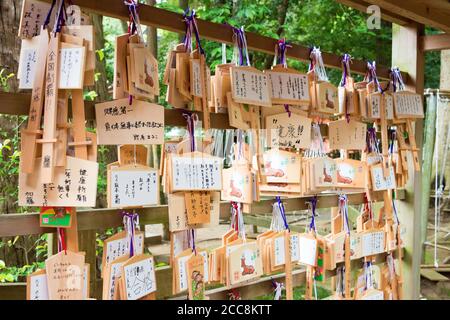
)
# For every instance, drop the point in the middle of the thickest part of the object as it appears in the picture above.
(395, 208)
(60, 20)
(283, 213)
(133, 7)
(197, 35)
(371, 140)
(47, 19)
(193, 241)
(191, 118)
(397, 80)
(392, 136)
(346, 59)
(286, 107)
(312, 225)
(130, 220)
(240, 40)
(343, 206)
(373, 76)
(282, 46)
(188, 33)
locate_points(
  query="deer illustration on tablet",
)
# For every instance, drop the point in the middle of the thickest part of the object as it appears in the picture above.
(272, 172)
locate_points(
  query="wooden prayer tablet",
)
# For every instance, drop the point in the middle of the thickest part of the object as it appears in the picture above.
(65, 275)
(56, 217)
(33, 17)
(48, 159)
(408, 105)
(119, 245)
(198, 206)
(308, 249)
(74, 186)
(347, 135)
(251, 86)
(180, 276)
(289, 131)
(196, 78)
(120, 84)
(118, 122)
(196, 171)
(75, 17)
(288, 86)
(221, 87)
(348, 98)
(327, 98)
(323, 173)
(138, 277)
(87, 33)
(282, 166)
(29, 135)
(146, 71)
(236, 114)
(372, 242)
(351, 173)
(37, 288)
(71, 66)
(237, 184)
(133, 185)
(374, 105)
(112, 272)
(244, 262)
(379, 181)
(28, 62)
(195, 267)
(178, 219)
(130, 154)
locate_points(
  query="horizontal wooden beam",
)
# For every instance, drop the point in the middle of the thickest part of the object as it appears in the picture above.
(431, 13)
(435, 42)
(19, 224)
(19, 104)
(247, 290)
(171, 21)
(256, 288)
(362, 5)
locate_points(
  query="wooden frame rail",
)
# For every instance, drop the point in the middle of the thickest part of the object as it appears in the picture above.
(19, 224)
(171, 21)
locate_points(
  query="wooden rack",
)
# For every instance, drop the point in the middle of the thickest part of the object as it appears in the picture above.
(409, 44)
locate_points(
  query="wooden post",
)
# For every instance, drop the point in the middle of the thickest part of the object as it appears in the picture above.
(408, 57)
(288, 266)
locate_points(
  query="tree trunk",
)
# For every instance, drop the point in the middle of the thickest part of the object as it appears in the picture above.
(282, 9)
(9, 41)
(101, 86)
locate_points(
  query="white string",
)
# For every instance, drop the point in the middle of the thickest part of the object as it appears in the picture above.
(439, 186)
(245, 46)
(317, 148)
(277, 223)
(319, 67)
(315, 288)
(224, 53)
(436, 189)
(279, 286)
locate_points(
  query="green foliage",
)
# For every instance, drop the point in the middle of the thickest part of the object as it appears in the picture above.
(15, 274)
(299, 294)
(4, 80)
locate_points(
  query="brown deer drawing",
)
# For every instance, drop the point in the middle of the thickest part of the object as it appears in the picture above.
(246, 269)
